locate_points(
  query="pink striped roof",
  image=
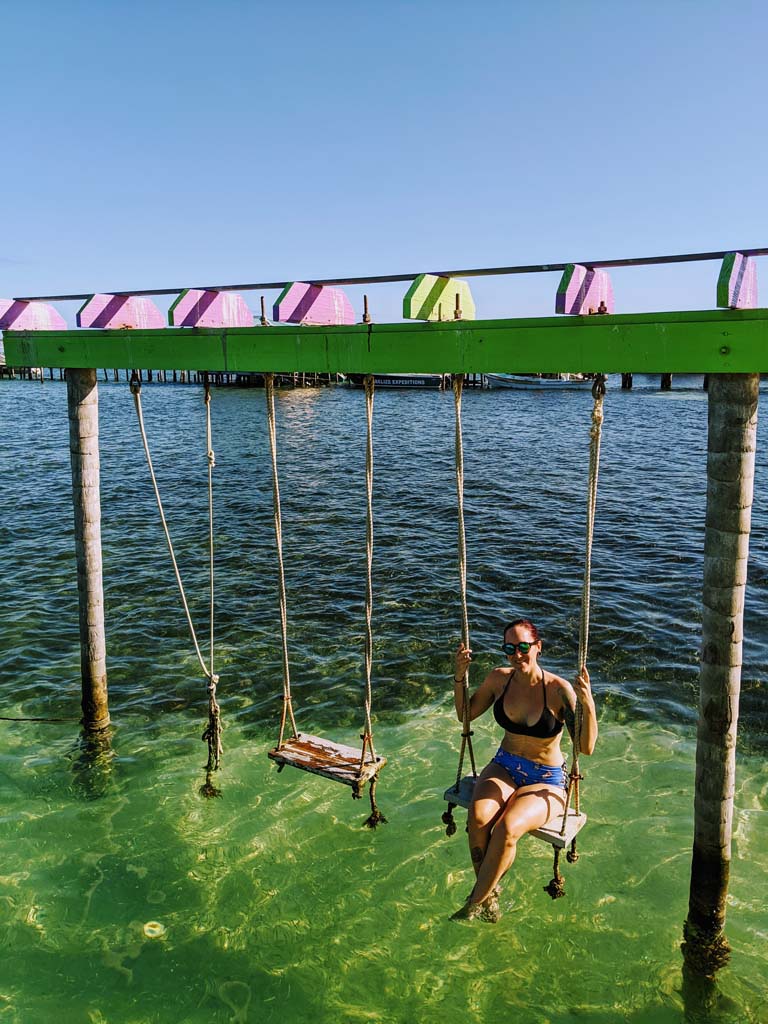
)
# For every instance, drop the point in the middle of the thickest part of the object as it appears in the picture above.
(581, 290)
(198, 308)
(16, 315)
(112, 312)
(301, 303)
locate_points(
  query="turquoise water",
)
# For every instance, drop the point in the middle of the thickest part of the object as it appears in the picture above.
(128, 898)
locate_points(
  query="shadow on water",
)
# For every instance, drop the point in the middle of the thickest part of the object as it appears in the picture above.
(92, 763)
(704, 1003)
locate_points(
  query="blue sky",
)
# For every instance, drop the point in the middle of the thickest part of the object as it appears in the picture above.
(162, 144)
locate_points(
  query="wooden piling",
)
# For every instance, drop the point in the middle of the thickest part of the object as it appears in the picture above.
(83, 407)
(732, 402)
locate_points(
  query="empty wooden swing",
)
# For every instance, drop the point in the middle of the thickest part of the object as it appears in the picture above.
(562, 829)
(336, 761)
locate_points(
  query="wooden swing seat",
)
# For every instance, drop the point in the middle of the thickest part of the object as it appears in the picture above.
(335, 761)
(550, 833)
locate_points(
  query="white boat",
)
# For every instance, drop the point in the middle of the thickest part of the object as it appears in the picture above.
(536, 381)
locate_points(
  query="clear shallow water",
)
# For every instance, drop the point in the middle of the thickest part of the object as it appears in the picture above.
(274, 903)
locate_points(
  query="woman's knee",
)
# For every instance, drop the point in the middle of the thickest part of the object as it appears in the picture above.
(511, 828)
(482, 814)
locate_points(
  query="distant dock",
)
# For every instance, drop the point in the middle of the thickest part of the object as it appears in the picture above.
(284, 380)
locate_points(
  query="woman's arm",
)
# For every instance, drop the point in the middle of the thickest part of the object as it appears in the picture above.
(581, 691)
(482, 698)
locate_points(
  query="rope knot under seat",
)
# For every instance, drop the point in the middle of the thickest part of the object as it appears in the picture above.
(375, 818)
(556, 887)
(448, 820)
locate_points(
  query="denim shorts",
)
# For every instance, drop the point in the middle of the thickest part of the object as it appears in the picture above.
(529, 773)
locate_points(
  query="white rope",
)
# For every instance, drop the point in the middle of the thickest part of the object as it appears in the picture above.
(269, 386)
(595, 434)
(369, 389)
(466, 736)
(213, 732)
(211, 467)
(458, 383)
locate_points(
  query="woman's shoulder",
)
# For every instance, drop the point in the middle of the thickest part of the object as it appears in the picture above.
(498, 678)
(556, 684)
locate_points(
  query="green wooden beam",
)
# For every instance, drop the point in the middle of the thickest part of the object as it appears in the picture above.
(708, 341)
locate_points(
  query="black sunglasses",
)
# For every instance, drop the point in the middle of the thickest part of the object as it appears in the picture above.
(524, 646)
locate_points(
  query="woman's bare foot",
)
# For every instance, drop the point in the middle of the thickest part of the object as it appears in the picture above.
(468, 912)
(490, 910)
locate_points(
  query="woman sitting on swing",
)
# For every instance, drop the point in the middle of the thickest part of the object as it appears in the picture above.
(525, 784)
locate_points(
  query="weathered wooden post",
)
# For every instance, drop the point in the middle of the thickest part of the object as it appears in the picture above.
(732, 400)
(83, 408)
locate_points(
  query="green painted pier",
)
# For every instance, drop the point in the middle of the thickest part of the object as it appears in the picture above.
(697, 341)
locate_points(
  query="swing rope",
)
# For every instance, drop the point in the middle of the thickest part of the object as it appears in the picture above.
(367, 737)
(376, 817)
(287, 712)
(458, 384)
(212, 733)
(595, 436)
(466, 732)
(556, 886)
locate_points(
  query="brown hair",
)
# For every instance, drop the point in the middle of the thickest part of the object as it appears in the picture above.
(522, 622)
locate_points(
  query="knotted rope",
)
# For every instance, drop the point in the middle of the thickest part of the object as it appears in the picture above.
(287, 712)
(556, 886)
(368, 736)
(376, 817)
(595, 435)
(212, 733)
(466, 732)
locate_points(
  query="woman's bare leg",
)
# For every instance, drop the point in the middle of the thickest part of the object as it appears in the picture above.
(493, 790)
(529, 809)
(492, 793)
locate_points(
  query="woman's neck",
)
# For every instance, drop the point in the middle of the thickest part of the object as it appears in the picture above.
(533, 678)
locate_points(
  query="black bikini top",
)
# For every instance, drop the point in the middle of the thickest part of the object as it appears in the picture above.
(546, 727)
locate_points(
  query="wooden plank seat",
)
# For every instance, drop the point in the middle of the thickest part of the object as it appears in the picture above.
(323, 757)
(550, 832)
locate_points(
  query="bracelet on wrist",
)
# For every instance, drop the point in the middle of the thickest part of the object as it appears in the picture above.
(458, 680)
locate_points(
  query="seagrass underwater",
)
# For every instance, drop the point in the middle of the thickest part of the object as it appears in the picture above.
(129, 898)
